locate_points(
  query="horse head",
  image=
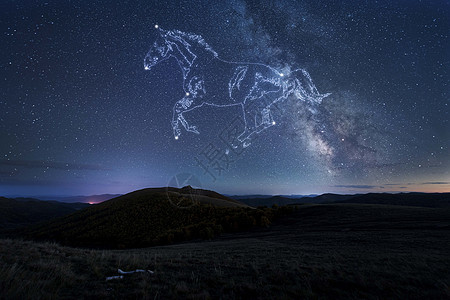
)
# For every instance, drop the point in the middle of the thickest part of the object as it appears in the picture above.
(159, 52)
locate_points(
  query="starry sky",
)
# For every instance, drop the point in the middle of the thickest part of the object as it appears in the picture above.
(79, 115)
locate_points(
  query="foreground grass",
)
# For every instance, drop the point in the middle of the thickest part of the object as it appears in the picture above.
(354, 258)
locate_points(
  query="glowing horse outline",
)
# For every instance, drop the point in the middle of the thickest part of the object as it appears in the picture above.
(248, 84)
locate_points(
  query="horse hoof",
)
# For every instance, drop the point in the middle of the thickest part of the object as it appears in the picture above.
(246, 144)
(194, 130)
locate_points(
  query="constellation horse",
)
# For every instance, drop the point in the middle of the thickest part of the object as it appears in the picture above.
(210, 80)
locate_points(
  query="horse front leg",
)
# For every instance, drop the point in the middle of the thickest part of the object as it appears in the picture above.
(180, 107)
(186, 124)
(175, 125)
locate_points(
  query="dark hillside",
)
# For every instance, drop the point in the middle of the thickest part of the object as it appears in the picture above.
(147, 217)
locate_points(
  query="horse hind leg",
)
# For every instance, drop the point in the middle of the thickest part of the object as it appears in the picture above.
(255, 125)
(249, 127)
(266, 119)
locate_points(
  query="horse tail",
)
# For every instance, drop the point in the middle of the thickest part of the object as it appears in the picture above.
(305, 89)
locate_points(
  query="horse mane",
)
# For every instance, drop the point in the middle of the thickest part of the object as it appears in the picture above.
(184, 37)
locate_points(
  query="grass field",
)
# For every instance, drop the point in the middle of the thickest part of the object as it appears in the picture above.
(345, 251)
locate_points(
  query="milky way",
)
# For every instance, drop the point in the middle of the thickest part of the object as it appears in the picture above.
(79, 114)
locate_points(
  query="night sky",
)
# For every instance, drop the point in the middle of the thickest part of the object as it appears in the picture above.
(80, 115)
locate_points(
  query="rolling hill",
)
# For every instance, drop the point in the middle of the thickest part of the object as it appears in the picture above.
(151, 217)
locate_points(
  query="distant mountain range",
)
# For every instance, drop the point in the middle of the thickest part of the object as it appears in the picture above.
(411, 199)
(92, 199)
(15, 213)
(435, 200)
(269, 200)
(405, 199)
(258, 196)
